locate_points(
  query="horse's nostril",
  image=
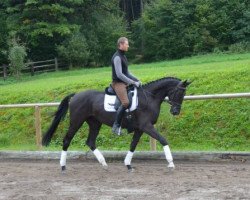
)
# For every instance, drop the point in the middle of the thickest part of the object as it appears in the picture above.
(175, 111)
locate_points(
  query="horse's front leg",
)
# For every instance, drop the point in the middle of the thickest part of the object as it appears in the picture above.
(150, 130)
(136, 137)
(94, 128)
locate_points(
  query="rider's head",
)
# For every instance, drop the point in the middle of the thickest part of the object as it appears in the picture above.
(123, 44)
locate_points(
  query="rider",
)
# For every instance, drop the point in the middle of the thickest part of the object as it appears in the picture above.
(121, 78)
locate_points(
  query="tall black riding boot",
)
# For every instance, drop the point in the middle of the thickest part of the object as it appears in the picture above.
(117, 124)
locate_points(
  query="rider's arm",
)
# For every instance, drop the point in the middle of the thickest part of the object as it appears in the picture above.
(131, 76)
(118, 71)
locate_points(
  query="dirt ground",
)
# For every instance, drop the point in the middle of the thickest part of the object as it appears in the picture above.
(25, 179)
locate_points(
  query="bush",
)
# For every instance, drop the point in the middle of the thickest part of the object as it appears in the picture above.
(240, 47)
(17, 54)
(75, 50)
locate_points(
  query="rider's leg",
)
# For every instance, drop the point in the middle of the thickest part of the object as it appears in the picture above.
(121, 92)
(117, 124)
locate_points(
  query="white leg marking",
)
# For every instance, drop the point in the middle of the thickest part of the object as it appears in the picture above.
(128, 158)
(100, 157)
(168, 156)
(63, 158)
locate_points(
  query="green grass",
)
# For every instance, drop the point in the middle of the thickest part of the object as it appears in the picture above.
(207, 125)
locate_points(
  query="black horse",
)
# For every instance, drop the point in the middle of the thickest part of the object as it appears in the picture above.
(88, 107)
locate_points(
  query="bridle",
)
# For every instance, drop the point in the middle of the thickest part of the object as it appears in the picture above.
(173, 94)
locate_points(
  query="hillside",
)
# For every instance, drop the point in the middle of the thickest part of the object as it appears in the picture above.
(202, 125)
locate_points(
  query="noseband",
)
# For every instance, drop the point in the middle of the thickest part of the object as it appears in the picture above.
(173, 94)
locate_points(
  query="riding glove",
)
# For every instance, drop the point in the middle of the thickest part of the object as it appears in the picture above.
(137, 84)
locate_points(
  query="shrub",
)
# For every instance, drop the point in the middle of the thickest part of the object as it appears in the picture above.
(75, 50)
(17, 54)
(239, 47)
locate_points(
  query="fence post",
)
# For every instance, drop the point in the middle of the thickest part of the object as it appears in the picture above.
(4, 72)
(152, 144)
(38, 127)
(32, 69)
(56, 64)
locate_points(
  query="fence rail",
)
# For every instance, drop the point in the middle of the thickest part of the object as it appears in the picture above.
(39, 62)
(37, 107)
(216, 96)
(33, 67)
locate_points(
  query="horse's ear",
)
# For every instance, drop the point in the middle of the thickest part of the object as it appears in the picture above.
(186, 83)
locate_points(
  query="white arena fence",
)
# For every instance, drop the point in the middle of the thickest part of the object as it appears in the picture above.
(37, 107)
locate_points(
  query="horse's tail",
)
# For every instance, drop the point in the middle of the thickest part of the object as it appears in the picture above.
(59, 115)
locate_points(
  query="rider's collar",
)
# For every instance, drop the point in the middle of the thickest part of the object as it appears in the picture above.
(121, 51)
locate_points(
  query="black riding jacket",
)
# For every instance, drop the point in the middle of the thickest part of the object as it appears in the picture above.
(120, 71)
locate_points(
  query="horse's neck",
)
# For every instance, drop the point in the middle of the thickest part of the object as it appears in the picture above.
(161, 89)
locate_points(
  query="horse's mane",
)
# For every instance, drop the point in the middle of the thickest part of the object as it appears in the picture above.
(160, 80)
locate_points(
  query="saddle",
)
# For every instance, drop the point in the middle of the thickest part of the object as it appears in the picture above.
(112, 102)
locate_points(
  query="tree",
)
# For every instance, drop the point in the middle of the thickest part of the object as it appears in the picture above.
(102, 23)
(102, 34)
(41, 25)
(45, 25)
(3, 35)
(165, 30)
(75, 51)
(176, 28)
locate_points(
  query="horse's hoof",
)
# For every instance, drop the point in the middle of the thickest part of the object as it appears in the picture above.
(105, 167)
(171, 167)
(63, 169)
(130, 168)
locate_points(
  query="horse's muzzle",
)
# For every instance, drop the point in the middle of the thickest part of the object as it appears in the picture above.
(175, 110)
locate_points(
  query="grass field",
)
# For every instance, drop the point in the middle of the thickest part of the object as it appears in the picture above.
(203, 125)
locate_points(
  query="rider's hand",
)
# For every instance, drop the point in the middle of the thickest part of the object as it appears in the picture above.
(137, 84)
(140, 83)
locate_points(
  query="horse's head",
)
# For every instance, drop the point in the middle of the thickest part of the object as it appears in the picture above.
(176, 97)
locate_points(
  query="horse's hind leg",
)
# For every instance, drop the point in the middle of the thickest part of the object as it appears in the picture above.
(73, 128)
(136, 137)
(94, 128)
